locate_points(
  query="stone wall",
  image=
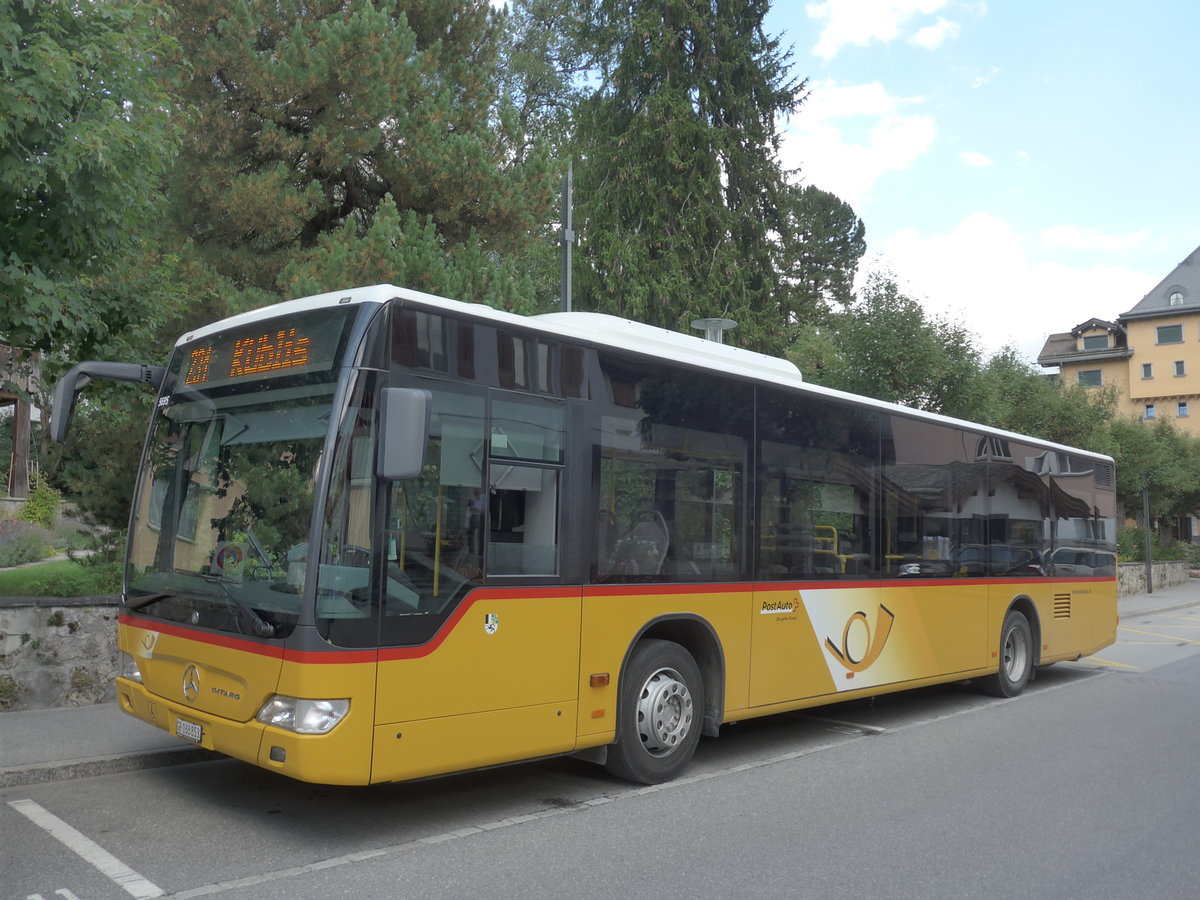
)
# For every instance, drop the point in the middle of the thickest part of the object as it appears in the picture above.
(1131, 576)
(10, 507)
(57, 652)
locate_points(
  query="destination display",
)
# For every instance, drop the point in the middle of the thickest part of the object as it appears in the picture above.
(299, 344)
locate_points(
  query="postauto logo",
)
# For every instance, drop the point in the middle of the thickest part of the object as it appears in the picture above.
(858, 627)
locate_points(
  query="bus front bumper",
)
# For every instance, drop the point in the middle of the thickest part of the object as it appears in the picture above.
(340, 757)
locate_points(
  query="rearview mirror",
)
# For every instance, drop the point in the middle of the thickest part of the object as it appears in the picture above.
(403, 430)
(80, 376)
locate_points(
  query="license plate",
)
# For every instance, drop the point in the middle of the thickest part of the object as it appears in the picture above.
(189, 731)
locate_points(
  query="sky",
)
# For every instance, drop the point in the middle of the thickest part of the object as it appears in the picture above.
(1021, 166)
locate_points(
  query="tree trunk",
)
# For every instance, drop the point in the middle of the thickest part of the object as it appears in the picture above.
(18, 473)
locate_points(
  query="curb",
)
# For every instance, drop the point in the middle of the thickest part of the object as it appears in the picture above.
(1158, 609)
(41, 773)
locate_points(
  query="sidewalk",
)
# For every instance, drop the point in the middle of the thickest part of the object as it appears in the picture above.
(80, 742)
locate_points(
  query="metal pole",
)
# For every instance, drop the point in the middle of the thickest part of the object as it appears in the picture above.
(568, 235)
(1146, 519)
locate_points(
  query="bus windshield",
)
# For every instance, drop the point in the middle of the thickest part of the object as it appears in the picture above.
(220, 532)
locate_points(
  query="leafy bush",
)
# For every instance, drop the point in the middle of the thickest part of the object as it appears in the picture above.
(22, 542)
(103, 562)
(1131, 547)
(42, 505)
(65, 584)
(70, 535)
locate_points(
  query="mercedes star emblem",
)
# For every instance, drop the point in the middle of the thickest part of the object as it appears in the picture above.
(191, 683)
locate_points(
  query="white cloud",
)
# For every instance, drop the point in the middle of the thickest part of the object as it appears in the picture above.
(859, 22)
(846, 136)
(980, 274)
(979, 79)
(1073, 237)
(976, 159)
(933, 36)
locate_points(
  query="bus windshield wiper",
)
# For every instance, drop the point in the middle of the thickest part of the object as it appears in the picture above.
(262, 627)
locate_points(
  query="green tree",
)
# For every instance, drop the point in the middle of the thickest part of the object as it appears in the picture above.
(885, 345)
(98, 473)
(543, 75)
(823, 240)
(305, 115)
(409, 251)
(678, 184)
(85, 135)
(544, 70)
(1155, 456)
(1013, 394)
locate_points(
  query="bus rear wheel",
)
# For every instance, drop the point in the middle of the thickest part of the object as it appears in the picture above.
(661, 712)
(1016, 658)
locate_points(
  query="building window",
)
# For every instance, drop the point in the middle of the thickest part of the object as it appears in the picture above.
(1176, 298)
(1095, 342)
(1147, 370)
(1181, 409)
(1089, 378)
(1180, 368)
(1170, 334)
(1150, 413)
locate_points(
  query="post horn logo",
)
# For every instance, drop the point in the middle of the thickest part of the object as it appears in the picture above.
(874, 644)
(191, 683)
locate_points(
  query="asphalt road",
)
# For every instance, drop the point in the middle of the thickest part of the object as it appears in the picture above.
(1086, 785)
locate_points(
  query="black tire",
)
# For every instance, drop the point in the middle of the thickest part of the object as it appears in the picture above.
(661, 711)
(1016, 658)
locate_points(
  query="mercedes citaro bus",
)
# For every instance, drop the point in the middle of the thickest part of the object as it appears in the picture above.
(378, 535)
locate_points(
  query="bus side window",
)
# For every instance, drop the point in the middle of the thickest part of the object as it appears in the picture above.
(525, 453)
(434, 550)
(523, 522)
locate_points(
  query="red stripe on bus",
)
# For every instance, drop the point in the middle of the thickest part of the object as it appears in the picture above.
(480, 595)
(336, 656)
(227, 641)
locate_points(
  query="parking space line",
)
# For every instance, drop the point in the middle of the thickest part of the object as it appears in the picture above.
(1107, 662)
(88, 850)
(1168, 637)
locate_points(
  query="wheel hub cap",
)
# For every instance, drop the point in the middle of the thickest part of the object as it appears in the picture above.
(664, 712)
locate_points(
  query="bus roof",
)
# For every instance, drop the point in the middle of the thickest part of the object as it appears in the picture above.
(614, 332)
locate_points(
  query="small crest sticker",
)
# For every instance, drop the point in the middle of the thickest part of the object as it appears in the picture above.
(144, 645)
(491, 623)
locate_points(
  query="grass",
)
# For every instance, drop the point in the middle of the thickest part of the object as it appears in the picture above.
(60, 578)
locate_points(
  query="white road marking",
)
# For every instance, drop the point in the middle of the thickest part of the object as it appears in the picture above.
(88, 850)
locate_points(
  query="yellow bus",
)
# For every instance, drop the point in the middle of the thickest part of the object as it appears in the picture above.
(379, 535)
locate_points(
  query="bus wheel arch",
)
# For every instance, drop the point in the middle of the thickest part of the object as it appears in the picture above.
(662, 703)
(1024, 605)
(1018, 653)
(699, 639)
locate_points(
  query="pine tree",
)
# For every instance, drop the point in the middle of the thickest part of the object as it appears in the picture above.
(306, 114)
(679, 188)
(823, 240)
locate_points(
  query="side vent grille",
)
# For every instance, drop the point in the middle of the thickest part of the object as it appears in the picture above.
(1104, 475)
(1062, 606)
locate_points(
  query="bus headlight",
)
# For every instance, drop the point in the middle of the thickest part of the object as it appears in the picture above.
(127, 667)
(303, 716)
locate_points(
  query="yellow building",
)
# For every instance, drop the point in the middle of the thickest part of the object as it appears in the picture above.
(1151, 353)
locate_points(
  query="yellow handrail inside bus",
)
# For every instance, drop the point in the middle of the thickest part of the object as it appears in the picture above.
(403, 532)
(437, 543)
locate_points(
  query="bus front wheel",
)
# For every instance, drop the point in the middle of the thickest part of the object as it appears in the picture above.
(1016, 658)
(661, 712)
